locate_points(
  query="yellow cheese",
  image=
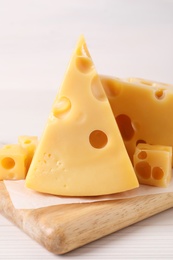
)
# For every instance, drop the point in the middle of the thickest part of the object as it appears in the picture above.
(15, 159)
(12, 162)
(81, 152)
(143, 110)
(153, 164)
(29, 143)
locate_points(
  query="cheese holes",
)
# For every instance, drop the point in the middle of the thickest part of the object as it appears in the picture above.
(84, 64)
(97, 90)
(160, 93)
(98, 139)
(27, 141)
(83, 51)
(8, 146)
(125, 127)
(61, 107)
(142, 155)
(157, 173)
(111, 88)
(143, 169)
(7, 163)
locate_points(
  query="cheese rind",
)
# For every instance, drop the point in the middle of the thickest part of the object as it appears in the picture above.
(81, 153)
(153, 164)
(142, 109)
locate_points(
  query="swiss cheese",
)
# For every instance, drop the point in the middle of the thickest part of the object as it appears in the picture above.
(153, 164)
(81, 151)
(142, 109)
(15, 159)
(13, 162)
(29, 143)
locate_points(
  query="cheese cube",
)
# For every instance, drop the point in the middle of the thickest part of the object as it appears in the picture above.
(13, 162)
(29, 143)
(153, 164)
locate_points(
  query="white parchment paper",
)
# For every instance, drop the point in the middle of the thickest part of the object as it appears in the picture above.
(24, 198)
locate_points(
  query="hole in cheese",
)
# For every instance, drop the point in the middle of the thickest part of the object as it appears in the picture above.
(83, 51)
(142, 155)
(84, 64)
(61, 107)
(157, 173)
(125, 126)
(8, 146)
(143, 169)
(159, 94)
(98, 139)
(27, 141)
(8, 163)
(97, 89)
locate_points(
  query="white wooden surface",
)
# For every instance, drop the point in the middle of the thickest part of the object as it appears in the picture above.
(125, 38)
(149, 239)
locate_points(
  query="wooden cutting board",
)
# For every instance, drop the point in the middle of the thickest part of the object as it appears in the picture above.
(63, 228)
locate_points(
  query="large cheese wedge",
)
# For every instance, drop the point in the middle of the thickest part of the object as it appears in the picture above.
(143, 110)
(81, 151)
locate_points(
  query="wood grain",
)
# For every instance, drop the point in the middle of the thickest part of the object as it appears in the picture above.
(63, 228)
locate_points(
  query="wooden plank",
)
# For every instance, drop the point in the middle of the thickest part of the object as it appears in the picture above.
(63, 228)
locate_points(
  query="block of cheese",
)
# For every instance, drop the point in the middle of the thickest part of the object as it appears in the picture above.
(29, 143)
(81, 151)
(15, 159)
(153, 164)
(13, 162)
(142, 109)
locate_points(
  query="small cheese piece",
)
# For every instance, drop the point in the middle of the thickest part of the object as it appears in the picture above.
(142, 109)
(29, 143)
(81, 151)
(153, 164)
(13, 162)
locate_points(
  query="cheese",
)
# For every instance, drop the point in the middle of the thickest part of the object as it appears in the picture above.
(29, 143)
(153, 164)
(13, 162)
(142, 109)
(81, 151)
(15, 159)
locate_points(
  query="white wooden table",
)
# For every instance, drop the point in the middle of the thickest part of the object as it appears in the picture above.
(149, 239)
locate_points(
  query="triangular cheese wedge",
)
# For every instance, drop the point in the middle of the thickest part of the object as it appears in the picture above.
(81, 152)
